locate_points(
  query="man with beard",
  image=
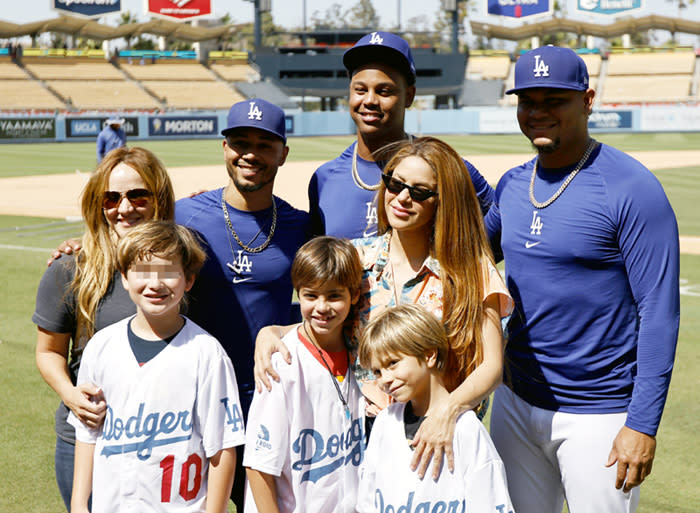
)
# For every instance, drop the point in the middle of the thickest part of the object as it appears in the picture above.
(250, 237)
(591, 249)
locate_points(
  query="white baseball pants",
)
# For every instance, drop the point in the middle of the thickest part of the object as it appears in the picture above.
(553, 456)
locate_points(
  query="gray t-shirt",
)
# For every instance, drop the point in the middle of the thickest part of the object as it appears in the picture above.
(55, 311)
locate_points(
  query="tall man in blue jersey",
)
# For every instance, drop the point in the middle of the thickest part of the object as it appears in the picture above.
(250, 237)
(591, 250)
(382, 86)
(111, 137)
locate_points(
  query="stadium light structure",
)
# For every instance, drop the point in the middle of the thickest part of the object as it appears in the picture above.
(452, 6)
(260, 7)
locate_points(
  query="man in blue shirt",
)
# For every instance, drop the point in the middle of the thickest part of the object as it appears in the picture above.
(592, 261)
(250, 237)
(112, 136)
(382, 86)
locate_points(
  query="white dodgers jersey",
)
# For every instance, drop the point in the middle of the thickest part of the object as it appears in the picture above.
(164, 420)
(478, 483)
(300, 433)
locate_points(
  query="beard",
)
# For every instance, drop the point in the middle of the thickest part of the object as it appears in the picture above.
(551, 147)
(247, 187)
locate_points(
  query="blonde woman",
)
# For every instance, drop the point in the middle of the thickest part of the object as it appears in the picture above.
(79, 295)
(432, 250)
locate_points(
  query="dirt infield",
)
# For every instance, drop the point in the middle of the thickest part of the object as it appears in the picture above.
(58, 195)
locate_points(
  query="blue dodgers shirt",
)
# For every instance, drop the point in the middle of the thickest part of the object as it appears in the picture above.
(340, 208)
(236, 292)
(594, 277)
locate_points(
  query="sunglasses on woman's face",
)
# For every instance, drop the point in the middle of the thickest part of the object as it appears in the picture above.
(137, 197)
(396, 186)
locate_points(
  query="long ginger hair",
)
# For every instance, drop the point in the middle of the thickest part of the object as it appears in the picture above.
(96, 261)
(459, 244)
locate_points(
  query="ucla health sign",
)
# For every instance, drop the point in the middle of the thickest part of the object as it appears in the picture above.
(87, 8)
(91, 127)
(519, 8)
(608, 7)
(166, 126)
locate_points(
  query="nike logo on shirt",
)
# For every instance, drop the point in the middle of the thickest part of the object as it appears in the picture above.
(529, 244)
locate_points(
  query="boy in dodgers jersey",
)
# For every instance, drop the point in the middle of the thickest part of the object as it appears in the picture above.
(406, 347)
(173, 414)
(305, 437)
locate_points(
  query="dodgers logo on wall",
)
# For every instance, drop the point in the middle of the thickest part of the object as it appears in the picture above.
(178, 9)
(608, 7)
(519, 8)
(87, 8)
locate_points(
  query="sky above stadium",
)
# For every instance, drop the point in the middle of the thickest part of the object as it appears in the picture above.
(288, 13)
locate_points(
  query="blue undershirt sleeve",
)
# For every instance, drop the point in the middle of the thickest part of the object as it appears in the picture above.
(648, 239)
(317, 225)
(483, 190)
(492, 223)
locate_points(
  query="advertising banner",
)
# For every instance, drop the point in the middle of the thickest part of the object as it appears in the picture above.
(610, 119)
(519, 8)
(178, 9)
(608, 7)
(90, 127)
(498, 121)
(670, 119)
(87, 8)
(167, 126)
(27, 128)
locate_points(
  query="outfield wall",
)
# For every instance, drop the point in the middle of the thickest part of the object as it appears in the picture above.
(207, 125)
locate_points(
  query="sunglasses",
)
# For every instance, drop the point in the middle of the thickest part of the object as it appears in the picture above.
(137, 197)
(396, 186)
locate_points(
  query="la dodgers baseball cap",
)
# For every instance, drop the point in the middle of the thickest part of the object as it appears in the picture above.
(383, 47)
(256, 113)
(550, 66)
(115, 120)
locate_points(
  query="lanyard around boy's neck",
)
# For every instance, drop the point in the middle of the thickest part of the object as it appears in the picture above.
(330, 372)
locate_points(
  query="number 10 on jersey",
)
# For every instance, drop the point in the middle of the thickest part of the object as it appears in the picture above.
(190, 477)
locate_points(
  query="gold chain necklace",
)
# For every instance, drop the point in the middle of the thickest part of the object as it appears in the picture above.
(591, 146)
(356, 176)
(235, 235)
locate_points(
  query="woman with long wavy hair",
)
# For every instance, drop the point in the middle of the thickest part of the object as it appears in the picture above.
(79, 295)
(432, 250)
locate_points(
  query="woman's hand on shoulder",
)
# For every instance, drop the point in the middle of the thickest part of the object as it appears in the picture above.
(87, 402)
(267, 343)
(67, 247)
(433, 441)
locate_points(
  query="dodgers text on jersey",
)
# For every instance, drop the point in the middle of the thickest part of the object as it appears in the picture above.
(319, 457)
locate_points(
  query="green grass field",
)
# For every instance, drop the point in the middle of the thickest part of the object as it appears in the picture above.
(27, 404)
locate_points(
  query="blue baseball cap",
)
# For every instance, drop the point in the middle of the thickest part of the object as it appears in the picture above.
(385, 48)
(256, 113)
(550, 66)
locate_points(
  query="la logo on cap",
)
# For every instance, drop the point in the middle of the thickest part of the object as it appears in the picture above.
(541, 69)
(254, 112)
(376, 39)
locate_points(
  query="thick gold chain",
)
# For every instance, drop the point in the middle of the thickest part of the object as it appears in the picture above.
(235, 235)
(591, 146)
